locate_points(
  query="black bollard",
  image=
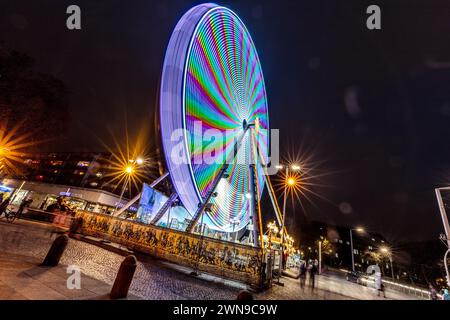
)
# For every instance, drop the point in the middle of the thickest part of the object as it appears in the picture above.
(244, 295)
(56, 251)
(123, 278)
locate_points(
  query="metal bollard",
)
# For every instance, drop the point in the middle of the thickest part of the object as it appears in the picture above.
(244, 295)
(123, 278)
(56, 251)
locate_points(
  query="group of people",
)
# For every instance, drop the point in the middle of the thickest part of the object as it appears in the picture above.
(310, 269)
(434, 293)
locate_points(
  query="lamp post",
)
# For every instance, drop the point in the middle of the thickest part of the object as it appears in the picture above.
(360, 230)
(388, 252)
(288, 182)
(128, 170)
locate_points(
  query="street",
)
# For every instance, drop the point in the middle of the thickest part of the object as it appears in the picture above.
(155, 279)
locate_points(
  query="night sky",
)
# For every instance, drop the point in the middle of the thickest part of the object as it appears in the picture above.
(370, 108)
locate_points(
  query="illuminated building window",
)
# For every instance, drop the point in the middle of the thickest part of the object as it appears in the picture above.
(56, 162)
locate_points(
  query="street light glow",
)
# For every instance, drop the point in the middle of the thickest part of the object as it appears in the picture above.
(291, 181)
(139, 161)
(295, 167)
(384, 249)
(129, 169)
(360, 229)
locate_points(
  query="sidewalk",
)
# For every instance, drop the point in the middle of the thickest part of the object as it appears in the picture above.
(21, 278)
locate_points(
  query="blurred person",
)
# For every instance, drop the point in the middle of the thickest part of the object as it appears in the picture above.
(303, 271)
(433, 292)
(285, 258)
(25, 203)
(445, 295)
(312, 275)
(379, 284)
(4, 205)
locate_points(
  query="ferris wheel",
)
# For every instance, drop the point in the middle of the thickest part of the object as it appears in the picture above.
(214, 117)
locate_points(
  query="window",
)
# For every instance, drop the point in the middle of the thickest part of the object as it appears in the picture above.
(56, 162)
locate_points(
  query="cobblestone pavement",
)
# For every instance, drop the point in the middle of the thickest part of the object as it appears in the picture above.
(155, 279)
(152, 280)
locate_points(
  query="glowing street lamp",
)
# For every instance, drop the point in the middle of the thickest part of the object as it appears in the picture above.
(291, 182)
(140, 161)
(129, 169)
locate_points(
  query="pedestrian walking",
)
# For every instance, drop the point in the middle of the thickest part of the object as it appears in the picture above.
(312, 275)
(446, 295)
(433, 292)
(4, 205)
(303, 271)
(379, 284)
(25, 203)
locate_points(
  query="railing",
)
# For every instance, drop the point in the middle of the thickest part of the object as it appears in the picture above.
(416, 291)
(404, 288)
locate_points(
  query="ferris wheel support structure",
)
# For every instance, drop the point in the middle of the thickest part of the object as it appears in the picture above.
(202, 206)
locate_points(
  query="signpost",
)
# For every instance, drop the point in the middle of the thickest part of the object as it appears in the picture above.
(446, 225)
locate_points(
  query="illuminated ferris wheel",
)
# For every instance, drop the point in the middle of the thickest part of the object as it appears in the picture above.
(214, 118)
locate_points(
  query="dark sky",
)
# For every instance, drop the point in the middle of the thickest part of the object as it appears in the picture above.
(373, 106)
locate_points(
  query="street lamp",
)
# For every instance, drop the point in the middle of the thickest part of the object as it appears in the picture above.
(360, 230)
(388, 253)
(128, 170)
(290, 182)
